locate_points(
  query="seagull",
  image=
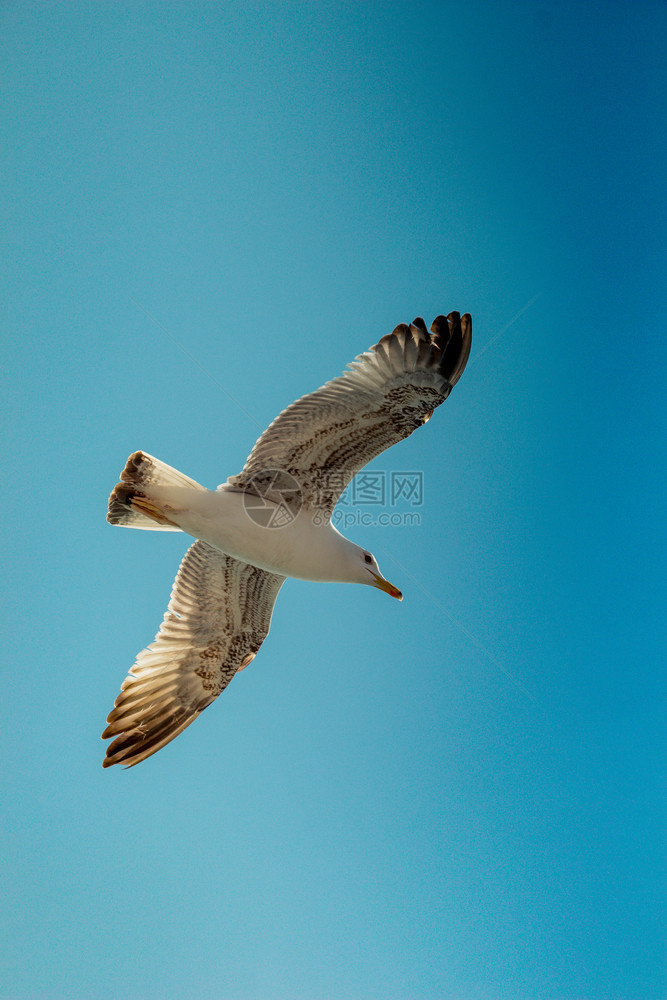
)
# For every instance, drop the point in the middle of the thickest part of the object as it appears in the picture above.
(269, 522)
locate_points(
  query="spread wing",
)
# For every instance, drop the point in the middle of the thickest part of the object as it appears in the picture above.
(218, 616)
(322, 440)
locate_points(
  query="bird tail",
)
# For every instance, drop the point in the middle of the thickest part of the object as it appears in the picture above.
(130, 503)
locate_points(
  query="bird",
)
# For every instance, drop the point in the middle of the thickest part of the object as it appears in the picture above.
(271, 521)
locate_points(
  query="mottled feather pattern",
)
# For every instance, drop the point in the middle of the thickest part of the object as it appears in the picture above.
(218, 616)
(323, 439)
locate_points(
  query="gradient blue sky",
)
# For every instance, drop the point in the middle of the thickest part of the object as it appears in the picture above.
(461, 796)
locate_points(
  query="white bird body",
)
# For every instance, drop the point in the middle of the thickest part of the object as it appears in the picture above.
(305, 547)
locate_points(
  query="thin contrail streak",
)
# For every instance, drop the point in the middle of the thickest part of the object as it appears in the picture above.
(505, 328)
(465, 631)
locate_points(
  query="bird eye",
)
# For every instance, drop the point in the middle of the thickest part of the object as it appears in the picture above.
(368, 558)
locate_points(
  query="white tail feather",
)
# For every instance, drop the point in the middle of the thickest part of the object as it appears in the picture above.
(140, 473)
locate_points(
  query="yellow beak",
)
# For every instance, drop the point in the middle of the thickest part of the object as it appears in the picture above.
(388, 588)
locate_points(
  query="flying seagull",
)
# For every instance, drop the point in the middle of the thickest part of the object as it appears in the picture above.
(271, 521)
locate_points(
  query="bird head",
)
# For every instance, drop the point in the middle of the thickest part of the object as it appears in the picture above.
(372, 576)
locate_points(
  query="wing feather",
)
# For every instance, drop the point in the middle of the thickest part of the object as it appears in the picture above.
(218, 616)
(323, 439)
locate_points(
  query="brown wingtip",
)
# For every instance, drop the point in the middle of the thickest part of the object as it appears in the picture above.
(453, 335)
(137, 743)
(466, 344)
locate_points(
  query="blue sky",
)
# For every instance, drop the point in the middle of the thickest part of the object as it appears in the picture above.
(210, 209)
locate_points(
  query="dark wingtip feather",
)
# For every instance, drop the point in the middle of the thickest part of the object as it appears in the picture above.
(466, 332)
(134, 746)
(440, 331)
(453, 335)
(402, 330)
(452, 352)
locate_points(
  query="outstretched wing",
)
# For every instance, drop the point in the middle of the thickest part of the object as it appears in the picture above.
(218, 616)
(322, 440)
